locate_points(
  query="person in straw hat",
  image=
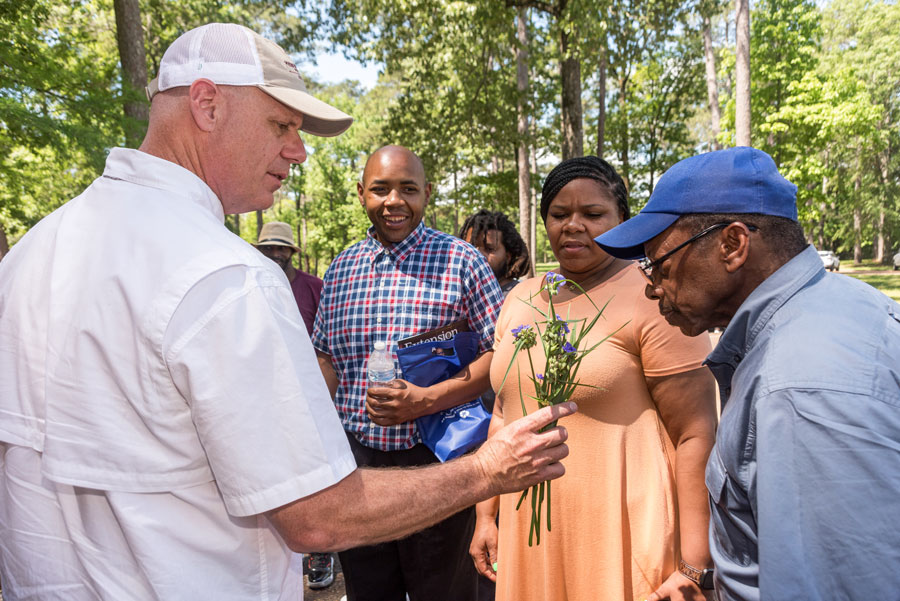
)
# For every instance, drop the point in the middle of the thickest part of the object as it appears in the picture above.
(276, 241)
(166, 432)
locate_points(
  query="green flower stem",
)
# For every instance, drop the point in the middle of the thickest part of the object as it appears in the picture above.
(521, 498)
(539, 506)
(548, 505)
(559, 379)
(533, 510)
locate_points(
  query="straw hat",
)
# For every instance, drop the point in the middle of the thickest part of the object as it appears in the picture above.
(277, 233)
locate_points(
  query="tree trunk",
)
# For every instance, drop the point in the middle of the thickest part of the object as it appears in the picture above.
(259, 223)
(237, 224)
(4, 242)
(601, 102)
(570, 107)
(822, 209)
(857, 211)
(522, 124)
(886, 240)
(623, 140)
(455, 202)
(742, 73)
(879, 249)
(130, 38)
(532, 229)
(303, 259)
(712, 86)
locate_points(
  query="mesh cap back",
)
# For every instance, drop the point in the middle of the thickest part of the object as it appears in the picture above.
(230, 54)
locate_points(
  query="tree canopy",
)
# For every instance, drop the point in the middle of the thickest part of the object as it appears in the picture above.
(626, 76)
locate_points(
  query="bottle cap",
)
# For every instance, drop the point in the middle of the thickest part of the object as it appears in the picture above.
(380, 346)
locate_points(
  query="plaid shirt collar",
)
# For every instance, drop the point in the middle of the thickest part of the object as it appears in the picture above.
(402, 249)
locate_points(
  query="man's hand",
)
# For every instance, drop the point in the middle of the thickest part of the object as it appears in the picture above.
(397, 403)
(372, 505)
(518, 456)
(483, 548)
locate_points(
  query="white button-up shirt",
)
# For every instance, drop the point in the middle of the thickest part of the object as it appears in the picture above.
(158, 391)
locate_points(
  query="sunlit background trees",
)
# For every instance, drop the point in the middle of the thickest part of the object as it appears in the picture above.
(491, 94)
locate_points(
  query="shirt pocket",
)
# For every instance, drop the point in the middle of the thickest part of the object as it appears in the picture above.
(731, 517)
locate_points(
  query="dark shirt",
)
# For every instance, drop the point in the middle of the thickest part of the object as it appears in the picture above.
(307, 290)
(508, 286)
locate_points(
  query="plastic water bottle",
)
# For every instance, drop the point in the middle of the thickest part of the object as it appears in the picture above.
(381, 366)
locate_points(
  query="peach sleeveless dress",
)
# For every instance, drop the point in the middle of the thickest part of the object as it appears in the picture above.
(614, 513)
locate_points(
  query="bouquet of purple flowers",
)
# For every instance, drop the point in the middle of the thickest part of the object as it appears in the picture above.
(562, 340)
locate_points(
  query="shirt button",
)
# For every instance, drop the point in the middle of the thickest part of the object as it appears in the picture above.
(379, 320)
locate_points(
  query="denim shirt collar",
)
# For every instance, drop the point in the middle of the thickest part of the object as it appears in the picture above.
(758, 308)
(402, 249)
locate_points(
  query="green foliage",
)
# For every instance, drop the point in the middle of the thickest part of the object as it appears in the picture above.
(827, 119)
(453, 78)
(656, 84)
(58, 70)
(825, 101)
(824, 95)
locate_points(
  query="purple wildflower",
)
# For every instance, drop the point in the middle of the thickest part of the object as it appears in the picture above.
(518, 330)
(539, 377)
(564, 322)
(553, 277)
(567, 347)
(553, 282)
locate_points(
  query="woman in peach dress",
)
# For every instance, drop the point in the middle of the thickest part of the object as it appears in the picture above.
(633, 503)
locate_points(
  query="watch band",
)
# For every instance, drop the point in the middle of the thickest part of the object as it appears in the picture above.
(702, 578)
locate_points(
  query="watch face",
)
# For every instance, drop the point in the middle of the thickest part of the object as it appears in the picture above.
(707, 579)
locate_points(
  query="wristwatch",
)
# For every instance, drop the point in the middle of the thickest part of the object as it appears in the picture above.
(702, 578)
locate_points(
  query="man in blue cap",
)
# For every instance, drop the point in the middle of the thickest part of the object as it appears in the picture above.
(805, 475)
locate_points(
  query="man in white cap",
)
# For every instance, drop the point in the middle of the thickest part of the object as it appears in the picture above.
(165, 430)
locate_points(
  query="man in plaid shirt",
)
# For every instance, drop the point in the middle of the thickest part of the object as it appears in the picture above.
(403, 279)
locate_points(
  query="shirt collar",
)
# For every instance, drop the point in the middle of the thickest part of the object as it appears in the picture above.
(758, 308)
(145, 169)
(402, 249)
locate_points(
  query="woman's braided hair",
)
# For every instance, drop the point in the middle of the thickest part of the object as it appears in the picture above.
(478, 226)
(589, 167)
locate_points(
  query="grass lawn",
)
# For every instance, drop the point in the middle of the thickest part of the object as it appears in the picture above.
(889, 284)
(866, 265)
(540, 268)
(885, 279)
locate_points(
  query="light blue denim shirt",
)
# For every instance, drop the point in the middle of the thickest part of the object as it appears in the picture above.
(805, 474)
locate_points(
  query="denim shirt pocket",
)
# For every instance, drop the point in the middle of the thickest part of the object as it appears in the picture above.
(727, 512)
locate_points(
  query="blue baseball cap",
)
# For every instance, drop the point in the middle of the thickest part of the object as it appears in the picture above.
(735, 180)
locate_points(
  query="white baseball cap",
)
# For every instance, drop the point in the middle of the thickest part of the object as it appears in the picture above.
(230, 54)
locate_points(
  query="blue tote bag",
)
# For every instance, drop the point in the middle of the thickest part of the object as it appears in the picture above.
(452, 432)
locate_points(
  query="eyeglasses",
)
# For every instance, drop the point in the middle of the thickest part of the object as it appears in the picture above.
(647, 266)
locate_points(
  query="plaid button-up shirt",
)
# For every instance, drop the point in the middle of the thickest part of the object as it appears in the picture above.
(372, 293)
